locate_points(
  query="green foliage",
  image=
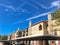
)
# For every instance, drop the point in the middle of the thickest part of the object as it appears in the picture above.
(3, 37)
(56, 16)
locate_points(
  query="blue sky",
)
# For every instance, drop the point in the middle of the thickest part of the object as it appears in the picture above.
(18, 13)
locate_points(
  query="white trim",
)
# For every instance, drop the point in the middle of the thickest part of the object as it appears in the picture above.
(38, 35)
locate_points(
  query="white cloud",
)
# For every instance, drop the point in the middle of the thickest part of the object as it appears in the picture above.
(19, 22)
(55, 3)
(11, 7)
(43, 6)
(20, 6)
(40, 15)
(43, 14)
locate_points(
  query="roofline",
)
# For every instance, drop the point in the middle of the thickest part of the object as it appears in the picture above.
(38, 37)
(39, 22)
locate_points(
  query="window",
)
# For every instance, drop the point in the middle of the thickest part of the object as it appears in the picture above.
(40, 27)
(55, 32)
(47, 24)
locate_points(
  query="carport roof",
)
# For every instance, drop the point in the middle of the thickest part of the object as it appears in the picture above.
(38, 37)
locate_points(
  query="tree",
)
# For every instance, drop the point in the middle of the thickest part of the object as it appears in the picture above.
(3, 37)
(56, 16)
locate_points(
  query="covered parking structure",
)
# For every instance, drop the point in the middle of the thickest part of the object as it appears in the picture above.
(44, 38)
(38, 37)
(34, 37)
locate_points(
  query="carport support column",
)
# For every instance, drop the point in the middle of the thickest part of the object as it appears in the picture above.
(29, 42)
(45, 42)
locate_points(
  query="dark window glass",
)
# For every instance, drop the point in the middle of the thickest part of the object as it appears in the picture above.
(40, 27)
(55, 32)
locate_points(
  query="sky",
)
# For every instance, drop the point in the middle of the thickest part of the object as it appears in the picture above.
(18, 13)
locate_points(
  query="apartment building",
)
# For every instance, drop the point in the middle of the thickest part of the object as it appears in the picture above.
(40, 28)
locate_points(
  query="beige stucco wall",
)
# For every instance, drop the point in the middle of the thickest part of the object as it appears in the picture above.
(50, 27)
(9, 37)
(14, 35)
(58, 29)
(29, 30)
(34, 30)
